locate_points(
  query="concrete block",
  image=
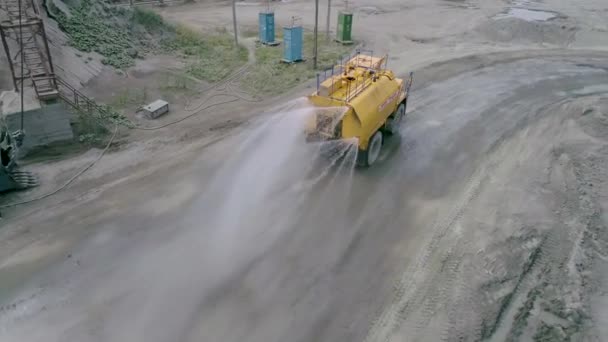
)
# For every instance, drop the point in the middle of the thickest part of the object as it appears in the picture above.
(156, 109)
(42, 124)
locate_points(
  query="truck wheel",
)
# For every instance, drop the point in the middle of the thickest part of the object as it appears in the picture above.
(370, 156)
(393, 123)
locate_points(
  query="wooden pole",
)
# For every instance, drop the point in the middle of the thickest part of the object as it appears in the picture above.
(315, 52)
(236, 34)
(328, 19)
(22, 58)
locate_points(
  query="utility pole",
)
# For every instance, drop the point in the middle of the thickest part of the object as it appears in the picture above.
(315, 52)
(236, 34)
(328, 19)
(20, 4)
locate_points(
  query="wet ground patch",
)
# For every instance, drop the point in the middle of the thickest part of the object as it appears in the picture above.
(527, 14)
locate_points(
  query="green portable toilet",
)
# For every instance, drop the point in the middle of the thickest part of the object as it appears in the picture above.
(345, 27)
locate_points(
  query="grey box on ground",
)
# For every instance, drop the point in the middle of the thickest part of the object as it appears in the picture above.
(156, 109)
(42, 125)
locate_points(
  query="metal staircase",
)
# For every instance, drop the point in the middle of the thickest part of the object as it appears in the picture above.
(24, 39)
(28, 37)
(76, 99)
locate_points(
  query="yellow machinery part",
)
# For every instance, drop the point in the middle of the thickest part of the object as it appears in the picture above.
(368, 110)
(370, 93)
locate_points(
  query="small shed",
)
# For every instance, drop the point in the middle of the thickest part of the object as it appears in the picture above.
(156, 109)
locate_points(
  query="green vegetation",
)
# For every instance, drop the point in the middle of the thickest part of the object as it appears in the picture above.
(91, 139)
(92, 128)
(174, 85)
(88, 130)
(130, 96)
(107, 114)
(270, 76)
(118, 34)
(152, 21)
(213, 55)
(249, 32)
(121, 35)
(178, 83)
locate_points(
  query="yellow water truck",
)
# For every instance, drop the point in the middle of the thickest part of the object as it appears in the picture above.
(359, 99)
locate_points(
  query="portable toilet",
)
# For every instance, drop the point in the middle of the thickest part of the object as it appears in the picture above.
(267, 28)
(292, 42)
(345, 27)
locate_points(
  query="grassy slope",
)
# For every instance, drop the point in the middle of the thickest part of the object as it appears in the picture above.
(212, 56)
(121, 35)
(270, 76)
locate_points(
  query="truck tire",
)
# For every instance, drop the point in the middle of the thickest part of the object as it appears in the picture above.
(393, 122)
(370, 156)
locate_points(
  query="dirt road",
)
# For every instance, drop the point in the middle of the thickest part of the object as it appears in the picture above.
(481, 182)
(485, 219)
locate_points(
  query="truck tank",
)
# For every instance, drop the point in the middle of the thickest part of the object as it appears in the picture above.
(369, 100)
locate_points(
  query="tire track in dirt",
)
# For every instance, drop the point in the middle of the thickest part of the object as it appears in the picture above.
(427, 284)
(440, 291)
(558, 262)
(546, 263)
(403, 303)
(415, 287)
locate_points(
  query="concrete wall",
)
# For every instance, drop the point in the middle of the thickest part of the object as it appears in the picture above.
(6, 183)
(42, 126)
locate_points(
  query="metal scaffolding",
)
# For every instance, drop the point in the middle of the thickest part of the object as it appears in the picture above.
(26, 47)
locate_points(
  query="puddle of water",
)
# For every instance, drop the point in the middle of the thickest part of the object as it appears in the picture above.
(522, 3)
(520, 9)
(591, 90)
(526, 14)
(462, 4)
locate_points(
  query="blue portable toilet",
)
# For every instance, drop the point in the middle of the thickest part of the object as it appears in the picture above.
(266, 27)
(292, 41)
